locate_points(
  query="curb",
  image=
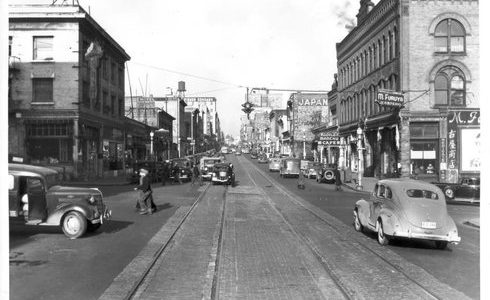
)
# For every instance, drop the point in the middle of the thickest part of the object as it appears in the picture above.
(355, 190)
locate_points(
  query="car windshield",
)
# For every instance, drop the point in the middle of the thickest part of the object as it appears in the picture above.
(413, 193)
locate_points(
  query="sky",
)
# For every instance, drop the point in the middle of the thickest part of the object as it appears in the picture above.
(281, 44)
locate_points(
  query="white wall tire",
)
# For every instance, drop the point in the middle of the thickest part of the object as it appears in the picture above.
(449, 193)
(74, 224)
(383, 239)
(357, 223)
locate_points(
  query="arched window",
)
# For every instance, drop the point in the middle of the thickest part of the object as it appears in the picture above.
(450, 87)
(449, 37)
(390, 46)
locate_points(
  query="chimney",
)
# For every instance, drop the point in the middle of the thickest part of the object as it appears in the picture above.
(366, 7)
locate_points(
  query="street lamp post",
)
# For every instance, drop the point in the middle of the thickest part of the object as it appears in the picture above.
(360, 157)
(151, 145)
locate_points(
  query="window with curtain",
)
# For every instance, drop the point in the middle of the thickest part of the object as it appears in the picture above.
(450, 87)
(449, 37)
(42, 90)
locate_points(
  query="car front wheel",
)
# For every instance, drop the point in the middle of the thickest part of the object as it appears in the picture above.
(74, 224)
(382, 238)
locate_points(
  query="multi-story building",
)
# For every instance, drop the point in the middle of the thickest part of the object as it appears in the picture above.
(142, 109)
(428, 53)
(278, 125)
(66, 91)
(175, 106)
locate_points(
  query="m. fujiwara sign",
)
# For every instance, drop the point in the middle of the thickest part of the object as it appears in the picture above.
(389, 98)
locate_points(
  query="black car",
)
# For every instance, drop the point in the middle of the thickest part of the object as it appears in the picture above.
(223, 173)
(467, 189)
(185, 169)
(326, 174)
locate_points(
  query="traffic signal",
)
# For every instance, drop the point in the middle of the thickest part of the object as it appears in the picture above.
(247, 108)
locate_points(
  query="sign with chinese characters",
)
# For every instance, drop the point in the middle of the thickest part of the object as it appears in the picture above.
(389, 98)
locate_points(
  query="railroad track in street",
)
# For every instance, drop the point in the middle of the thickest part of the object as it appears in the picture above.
(431, 287)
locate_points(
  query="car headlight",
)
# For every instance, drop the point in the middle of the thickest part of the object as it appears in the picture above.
(91, 200)
(205, 168)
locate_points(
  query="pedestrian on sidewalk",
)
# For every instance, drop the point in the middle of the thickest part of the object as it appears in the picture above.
(145, 197)
(176, 173)
(338, 180)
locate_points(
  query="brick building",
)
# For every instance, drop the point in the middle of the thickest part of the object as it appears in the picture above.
(428, 51)
(66, 92)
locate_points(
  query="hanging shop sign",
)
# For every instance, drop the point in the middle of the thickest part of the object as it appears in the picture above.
(389, 98)
(329, 136)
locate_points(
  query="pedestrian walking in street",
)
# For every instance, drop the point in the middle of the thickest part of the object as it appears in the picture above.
(196, 175)
(338, 180)
(145, 203)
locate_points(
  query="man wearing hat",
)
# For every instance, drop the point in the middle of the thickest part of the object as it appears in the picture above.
(145, 199)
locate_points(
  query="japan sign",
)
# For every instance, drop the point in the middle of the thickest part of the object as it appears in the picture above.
(389, 98)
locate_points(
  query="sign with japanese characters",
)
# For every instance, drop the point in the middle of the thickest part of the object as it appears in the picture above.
(389, 98)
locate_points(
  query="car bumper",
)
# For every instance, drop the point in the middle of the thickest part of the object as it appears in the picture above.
(424, 236)
(104, 216)
(221, 180)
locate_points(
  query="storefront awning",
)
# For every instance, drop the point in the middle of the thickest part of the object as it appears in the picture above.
(382, 120)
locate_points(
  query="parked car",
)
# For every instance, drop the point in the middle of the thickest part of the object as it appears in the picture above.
(185, 168)
(275, 165)
(254, 155)
(412, 209)
(206, 166)
(290, 167)
(313, 169)
(223, 173)
(246, 151)
(37, 198)
(467, 189)
(238, 152)
(263, 159)
(326, 174)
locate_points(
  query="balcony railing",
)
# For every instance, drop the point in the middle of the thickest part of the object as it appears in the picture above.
(14, 63)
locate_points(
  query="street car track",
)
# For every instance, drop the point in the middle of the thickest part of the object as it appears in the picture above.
(160, 253)
(346, 291)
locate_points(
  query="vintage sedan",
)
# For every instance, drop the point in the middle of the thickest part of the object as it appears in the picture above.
(223, 173)
(401, 208)
(275, 165)
(467, 189)
(185, 168)
(206, 166)
(262, 159)
(313, 169)
(327, 174)
(36, 198)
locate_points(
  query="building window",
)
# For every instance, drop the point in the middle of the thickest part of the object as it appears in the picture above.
(42, 90)
(43, 48)
(104, 68)
(121, 107)
(424, 141)
(449, 37)
(450, 87)
(10, 46)
(113, 105)
(113, 73)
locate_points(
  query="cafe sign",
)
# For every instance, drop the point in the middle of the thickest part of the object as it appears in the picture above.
(389, 98)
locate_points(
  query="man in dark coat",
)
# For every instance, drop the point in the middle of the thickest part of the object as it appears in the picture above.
(338, 180)
(145, 199)
(165, 171)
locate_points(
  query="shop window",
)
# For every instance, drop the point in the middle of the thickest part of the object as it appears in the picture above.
(42, 90)
(449, 37)
(10, 46)
(423, 156)
(43, 48)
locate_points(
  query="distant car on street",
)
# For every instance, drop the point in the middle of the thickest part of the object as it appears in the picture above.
(263, 159)
(411, 209)
(275, 164)
(245, 150)
(206, 166)
(37, 198)
(313, 169)
(254, 155)
(185, 168)
(290, 167)
(326, 174)
(238, 152)
(467, 189)
(223, 173)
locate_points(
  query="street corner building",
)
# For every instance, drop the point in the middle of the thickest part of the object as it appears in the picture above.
(66, 93)
(407, 87)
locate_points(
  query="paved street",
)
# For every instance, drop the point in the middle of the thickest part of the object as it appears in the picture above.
(263, 238)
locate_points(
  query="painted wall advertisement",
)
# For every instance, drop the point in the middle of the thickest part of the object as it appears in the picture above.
(463, 143)
(310, 111)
